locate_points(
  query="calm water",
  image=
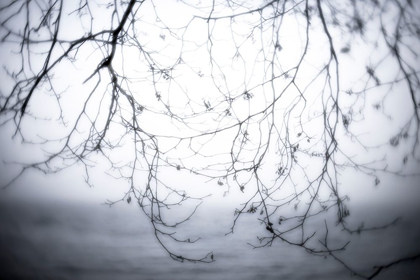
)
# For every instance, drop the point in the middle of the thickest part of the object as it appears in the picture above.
(85, 241)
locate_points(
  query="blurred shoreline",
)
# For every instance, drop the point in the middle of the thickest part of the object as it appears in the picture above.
(82, 240)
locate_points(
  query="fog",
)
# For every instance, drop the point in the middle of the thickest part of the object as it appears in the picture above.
(290, 126)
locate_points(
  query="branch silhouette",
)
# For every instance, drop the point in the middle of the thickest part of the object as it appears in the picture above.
(266, 100)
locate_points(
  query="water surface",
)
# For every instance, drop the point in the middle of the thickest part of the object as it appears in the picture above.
(57, 240)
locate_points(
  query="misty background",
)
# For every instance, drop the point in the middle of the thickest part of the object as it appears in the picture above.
(59, 226)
